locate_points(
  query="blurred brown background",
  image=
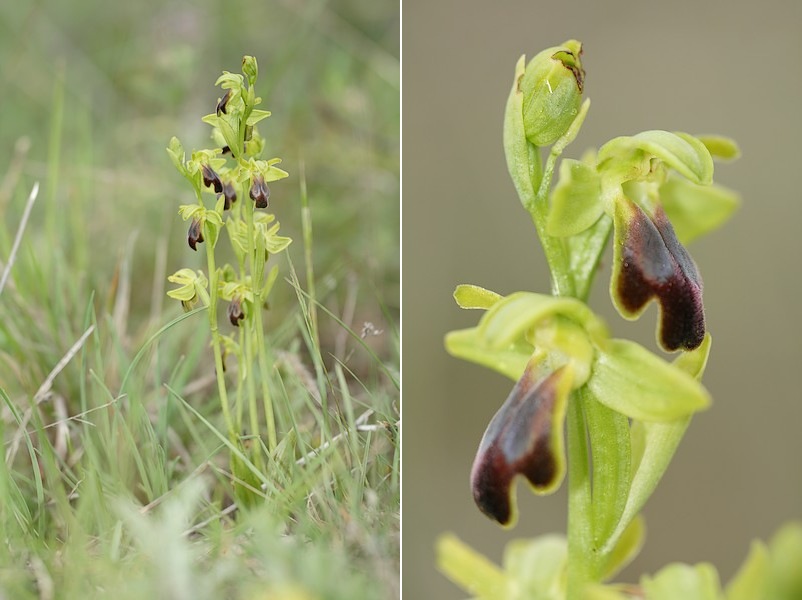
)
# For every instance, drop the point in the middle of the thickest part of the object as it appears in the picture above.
(725, 67)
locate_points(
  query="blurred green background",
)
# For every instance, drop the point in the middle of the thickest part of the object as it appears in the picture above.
(702, 67)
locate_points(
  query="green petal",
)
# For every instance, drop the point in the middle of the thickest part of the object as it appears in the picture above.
(633, 381)
(720, 146)
(698, 582)
(695, 210)
(515, 317)
(576, 204)
(679, 151)
(468, 345)
(473, 296)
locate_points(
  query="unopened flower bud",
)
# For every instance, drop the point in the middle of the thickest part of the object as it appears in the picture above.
(552, 92)
(250, 69)
(259, 193)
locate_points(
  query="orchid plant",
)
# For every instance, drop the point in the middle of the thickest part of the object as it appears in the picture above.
(229, 181)
(607, 412)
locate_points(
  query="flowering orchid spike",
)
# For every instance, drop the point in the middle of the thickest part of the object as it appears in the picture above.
(650, 263)
(525, 438)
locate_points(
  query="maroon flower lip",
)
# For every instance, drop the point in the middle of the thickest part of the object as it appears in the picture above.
(195, 234)
(652, 264)
(519, 441)
(260, 193)
(211, 179)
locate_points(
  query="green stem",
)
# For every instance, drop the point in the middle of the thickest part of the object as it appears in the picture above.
(263, 372)
(562, 282)
(216, 343)
(256, 267)
(581, 567)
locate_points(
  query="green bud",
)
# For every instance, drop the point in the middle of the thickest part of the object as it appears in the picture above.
(552, 92)
(250, 69)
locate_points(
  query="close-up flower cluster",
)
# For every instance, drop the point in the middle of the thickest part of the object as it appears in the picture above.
(608, 412)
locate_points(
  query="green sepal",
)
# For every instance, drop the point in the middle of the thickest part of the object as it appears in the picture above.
(211, 229)
(518, 314)
(575, 204)
(265, 168)
(679, 151)
(696, 210)
(608, 433)
(473, 296)
(697, 582)
(626, 549)
(230, 81)
(752, 579)
(228, 125)
(469, 569)
(510, 362)
(653, 445)
(785, 548)
(273, 243)
(177, 155)
(585, 250)
(535, 568)
(597, 591)
(256, 116)
(229, 290)
(269, 281)
(273, 173)
(189, 282)
(525, 172)
(641, 385)
(504, 338)
(720, 147)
